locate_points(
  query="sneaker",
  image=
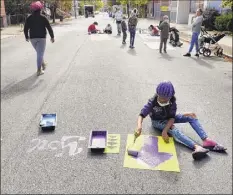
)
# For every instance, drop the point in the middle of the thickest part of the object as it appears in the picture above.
(165, 51)
(44, 66)
(199, 153)
(197, 55)
(187, 55)
(40, 72)
(123, 42)
(160, 51)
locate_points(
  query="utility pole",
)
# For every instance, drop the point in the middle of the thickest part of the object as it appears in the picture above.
(75, 14)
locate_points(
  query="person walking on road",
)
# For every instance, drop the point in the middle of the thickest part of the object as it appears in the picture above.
(132, 24)
(164, 28)
(162, 109)
(37, 24)
(124, 30)
(118, 18)
(196, 29)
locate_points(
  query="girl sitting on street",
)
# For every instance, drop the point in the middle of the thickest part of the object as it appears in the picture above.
(162, 109)
(154, 31)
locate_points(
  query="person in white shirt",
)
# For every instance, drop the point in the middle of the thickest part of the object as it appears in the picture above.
(118, 18)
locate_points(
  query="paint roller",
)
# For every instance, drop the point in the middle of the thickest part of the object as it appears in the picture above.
(132, 151)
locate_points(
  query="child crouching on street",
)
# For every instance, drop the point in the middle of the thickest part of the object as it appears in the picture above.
(108, 29)
(124, 30)
(162, 109)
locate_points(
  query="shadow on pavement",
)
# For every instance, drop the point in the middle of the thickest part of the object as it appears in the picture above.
(166, 56)
(132, 52)
(200, 163)
(40, 132)
(21, 87)
(203, 63)
(96, 155)
(123, 46)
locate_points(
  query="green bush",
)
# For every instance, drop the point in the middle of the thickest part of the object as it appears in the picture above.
(224, 22)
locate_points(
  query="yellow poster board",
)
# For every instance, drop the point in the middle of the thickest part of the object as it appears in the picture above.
(113, 144)
(164, 8)
(154, 154)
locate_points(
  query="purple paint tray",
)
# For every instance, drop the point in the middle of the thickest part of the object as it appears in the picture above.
(98, 140)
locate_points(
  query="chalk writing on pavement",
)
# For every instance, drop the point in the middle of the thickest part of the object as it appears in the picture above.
(67, 142)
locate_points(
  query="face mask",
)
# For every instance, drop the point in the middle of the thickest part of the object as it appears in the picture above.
(163, 104)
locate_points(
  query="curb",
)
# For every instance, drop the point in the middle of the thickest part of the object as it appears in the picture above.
(188, 41)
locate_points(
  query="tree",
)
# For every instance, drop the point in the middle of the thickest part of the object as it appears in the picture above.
(227, 3)
(66, 5)
(99, 4)
(13, 7)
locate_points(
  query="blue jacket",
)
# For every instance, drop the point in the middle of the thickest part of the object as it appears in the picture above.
(158, 112)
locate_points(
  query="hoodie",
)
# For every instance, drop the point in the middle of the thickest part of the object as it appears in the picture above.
(164, 27)
(158, 112)
(133, 21)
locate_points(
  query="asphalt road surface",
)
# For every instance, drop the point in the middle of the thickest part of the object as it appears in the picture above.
(93, 82)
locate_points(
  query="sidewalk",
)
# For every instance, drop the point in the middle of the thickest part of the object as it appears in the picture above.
(16, 30)
(185, 34)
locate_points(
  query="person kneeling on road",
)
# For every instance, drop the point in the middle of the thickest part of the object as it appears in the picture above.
(162, 108)
(92, 28)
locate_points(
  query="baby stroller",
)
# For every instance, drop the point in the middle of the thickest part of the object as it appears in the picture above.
(175, 37)
(209, 43)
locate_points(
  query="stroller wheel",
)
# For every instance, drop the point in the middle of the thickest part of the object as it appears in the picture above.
(201, 50)
(207, 52)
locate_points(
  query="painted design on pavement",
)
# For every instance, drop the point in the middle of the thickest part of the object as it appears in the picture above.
(154, 154)
(150, 153)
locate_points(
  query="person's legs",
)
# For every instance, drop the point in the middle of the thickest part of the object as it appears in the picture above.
(199, 152)
(194, 122)
(119, 28)
(130, 39)
(35, 44)
(165, 45)
(133, 36)
(124, 36)
(176, 134)
(161, 45)
(196, 45)
(41, 44)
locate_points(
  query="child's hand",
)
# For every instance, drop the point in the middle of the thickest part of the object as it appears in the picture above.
(165, 136)
(138, 132)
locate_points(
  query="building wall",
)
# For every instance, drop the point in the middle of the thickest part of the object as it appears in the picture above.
(3, 14)
(183, 8)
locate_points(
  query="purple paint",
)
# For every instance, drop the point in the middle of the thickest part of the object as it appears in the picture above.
(98, 139)
(150, 155)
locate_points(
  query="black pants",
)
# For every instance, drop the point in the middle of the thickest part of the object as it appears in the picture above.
(124, 35)
(163, 41)
(108, 31)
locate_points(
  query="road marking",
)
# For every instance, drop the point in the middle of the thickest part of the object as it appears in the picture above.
(65, 142)
(155, 45)
(100, 37)
(149, 37)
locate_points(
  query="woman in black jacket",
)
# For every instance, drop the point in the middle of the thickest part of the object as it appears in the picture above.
(37, 24)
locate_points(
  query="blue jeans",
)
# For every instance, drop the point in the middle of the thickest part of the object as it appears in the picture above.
(177, 134)
(194, 40)
(39, 45)
(132, 36)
